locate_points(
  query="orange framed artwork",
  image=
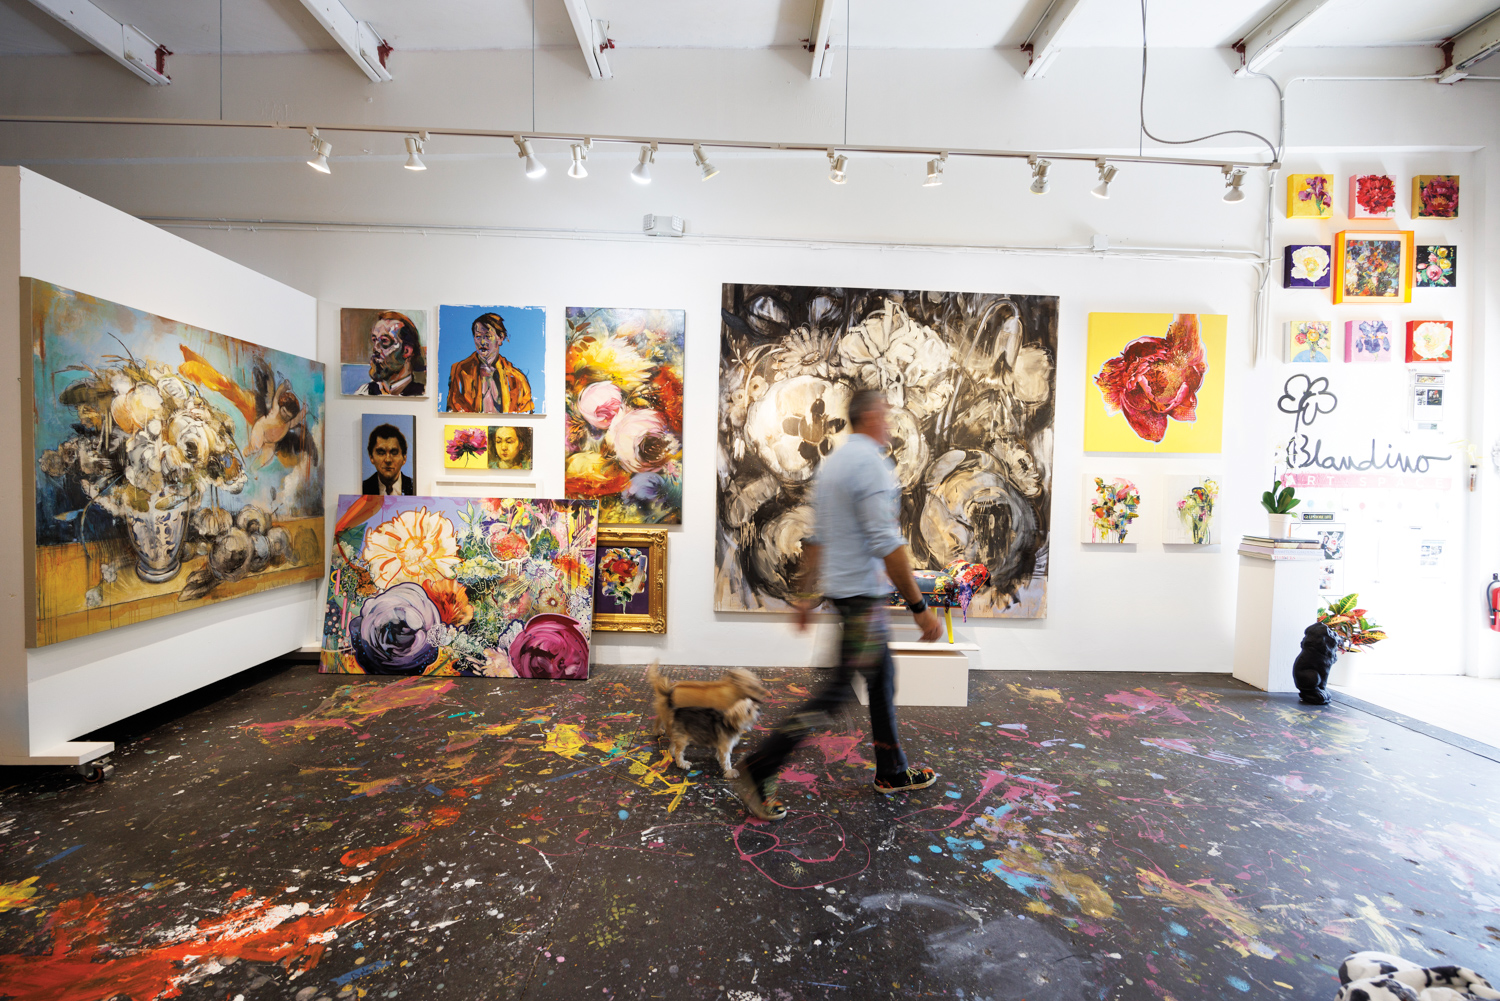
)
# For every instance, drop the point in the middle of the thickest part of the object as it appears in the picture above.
(1375, 266)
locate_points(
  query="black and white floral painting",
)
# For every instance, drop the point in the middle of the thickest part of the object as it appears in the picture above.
(971, 379)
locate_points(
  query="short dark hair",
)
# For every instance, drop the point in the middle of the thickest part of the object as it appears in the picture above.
(411, 338)
(494, 321)
(386, 431)
(862, 402)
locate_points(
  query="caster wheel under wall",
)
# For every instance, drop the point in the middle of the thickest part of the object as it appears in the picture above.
(94, 772)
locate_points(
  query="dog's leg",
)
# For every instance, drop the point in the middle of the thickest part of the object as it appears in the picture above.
(726, 752)
(679, 744)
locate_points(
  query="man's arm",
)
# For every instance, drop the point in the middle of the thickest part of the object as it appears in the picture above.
(807, 583)
(878, 522)
(898, 568)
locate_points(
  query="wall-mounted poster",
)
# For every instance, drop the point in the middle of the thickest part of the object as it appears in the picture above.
(1367, 341)
(630, 580)
(1111, 506)
(495, 587)
(1309, 341)
(1437, 267)
(473, 446)
(1372, 196)
(1429, 341)
(1434, 196)
(1155, 382)
(383, 352)
(1331, 535)
(491, 359)
(388, 462)
(1306, 265)
(624, 431)
(1372, 266)
(970, 378)
(1188, 518)
(174, 467)
(1309, 196)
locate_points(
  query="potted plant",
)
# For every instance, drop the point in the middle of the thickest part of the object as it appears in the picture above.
(1351, 628)
(1278, 502)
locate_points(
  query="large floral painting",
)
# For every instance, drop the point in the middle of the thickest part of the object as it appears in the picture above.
(174, 467)
(1155, 382)
(624, 397)
(496, 588)
(970, 378)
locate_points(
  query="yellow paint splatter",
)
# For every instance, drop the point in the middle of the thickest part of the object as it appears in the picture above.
(565, 739)
(1038, 694)
(1077, 889)
(13, 895)
(1210, 898)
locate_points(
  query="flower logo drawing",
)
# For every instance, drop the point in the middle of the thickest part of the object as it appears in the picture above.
(1306, 397)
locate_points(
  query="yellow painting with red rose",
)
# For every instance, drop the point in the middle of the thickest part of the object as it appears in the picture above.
(1155, 382)
(492, 588)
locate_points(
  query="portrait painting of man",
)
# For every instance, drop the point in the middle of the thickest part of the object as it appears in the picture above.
(388, 464)
(491, 358)
(383, 352)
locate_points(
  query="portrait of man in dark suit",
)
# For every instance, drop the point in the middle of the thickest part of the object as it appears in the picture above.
(387, 450)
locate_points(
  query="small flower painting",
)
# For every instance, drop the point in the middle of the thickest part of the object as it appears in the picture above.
(1434, 196)
(1367, 341)
(1110, 508)
(1309, 341)
(1429, 341)
(1437, 267)
(1306, 265)
(1372, 196)
(1189, 516)
(1309, 196)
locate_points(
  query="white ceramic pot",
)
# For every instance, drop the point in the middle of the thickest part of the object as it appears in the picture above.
(1281, 525)
(1342, 673)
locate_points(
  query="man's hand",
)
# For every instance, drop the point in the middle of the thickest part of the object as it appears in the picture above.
(927, 621)
(804, 613)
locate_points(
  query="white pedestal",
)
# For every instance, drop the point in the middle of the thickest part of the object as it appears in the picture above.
(928, 674)
(1278, 599)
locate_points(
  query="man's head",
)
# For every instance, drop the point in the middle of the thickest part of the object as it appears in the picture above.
(867, 415)
(387, 449)
(394, 345)
(507, 444)
(489, 334)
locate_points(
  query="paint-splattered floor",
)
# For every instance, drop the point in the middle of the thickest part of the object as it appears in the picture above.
(1093, 836)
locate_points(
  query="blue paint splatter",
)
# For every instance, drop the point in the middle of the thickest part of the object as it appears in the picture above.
(935, 849)
(1238, 984)
(985, 723)
(624, 814)
(915, 858)
(1015, 880)
(953, 795)
(1076, 745)
(362, 971)
(1177, 929)
(60, 855)
(432, 789)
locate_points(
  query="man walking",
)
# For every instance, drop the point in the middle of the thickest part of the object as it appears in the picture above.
(855, 501)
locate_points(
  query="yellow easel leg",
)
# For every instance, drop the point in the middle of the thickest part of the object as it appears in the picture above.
(948, 618)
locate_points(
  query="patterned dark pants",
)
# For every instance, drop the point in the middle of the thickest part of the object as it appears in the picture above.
(862, 648)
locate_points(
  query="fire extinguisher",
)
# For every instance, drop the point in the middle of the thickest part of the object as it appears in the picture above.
(1492, 593)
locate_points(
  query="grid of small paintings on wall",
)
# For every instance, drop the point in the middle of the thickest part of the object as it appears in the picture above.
(383, 352)
(490, 359)
(1372, 266)
(388, 464)
(630, 580)
(1372, 196)
(1309, 341)
(501, 446)
(1110, 507)
(1367, 341)
(1434, 196)
(1309, 196)
(1429, 341)
(1188, 513)
(1437, 267)
(1306, 265)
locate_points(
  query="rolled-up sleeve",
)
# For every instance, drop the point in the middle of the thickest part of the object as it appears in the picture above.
(874, 511)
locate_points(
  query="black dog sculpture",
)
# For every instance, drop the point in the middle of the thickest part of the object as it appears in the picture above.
(1310, 670)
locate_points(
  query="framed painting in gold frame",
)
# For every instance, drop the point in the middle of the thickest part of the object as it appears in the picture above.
(630, 580)
(1373, 266)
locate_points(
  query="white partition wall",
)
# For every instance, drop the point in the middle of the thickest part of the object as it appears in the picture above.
(51, 695)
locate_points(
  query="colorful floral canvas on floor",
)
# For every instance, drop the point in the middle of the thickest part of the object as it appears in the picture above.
(1372, 196)
(495, 588)
(1429, 341)
(624, 397)
(1309, 196)
(1306, 265)
(174, 467)
(1434, 196)
(1189, 518)
(970, 378)
(1155, 382)
(1367, 341)
(1309, 341)
(1110, 510)
(1437, 267)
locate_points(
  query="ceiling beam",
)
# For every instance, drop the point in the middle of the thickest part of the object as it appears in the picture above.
(1041, 45)
(818, 44)
(362, 42)
(126, 44)
(1478, 41)
(593, 38)
(1267, 39)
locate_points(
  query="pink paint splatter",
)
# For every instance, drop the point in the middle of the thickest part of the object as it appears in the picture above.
(1145, 702)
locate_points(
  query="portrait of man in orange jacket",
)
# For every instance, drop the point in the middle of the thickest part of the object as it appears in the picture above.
(486, 382)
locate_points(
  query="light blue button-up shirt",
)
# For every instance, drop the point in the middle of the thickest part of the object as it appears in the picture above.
(855, 504)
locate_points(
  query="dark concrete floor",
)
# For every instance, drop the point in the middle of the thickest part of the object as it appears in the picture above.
(297, 836)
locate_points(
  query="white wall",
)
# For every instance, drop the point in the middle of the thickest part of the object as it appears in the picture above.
(69, 239)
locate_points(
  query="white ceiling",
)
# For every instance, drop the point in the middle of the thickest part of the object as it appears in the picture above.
(255, 26)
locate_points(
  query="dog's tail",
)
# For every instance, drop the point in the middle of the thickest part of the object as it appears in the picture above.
(657, 682)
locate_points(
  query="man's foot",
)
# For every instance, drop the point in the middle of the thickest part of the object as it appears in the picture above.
(758, 800)
(912, 778)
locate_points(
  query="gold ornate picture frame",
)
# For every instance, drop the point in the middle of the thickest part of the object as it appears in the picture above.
(630, 580)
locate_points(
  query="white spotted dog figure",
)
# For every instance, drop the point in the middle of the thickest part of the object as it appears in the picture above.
(1379, 976)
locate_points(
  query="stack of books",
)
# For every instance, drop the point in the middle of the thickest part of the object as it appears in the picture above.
(1266, 548)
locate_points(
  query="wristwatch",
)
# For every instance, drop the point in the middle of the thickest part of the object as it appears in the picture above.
(917, 607)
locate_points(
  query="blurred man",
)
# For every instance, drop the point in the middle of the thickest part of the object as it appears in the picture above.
(387, 448)
(397, 367)
(486, 382)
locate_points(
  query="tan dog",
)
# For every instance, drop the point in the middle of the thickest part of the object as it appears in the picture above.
(715, 714)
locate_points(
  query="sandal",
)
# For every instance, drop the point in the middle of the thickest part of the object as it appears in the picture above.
(757, 799)
(912, 778)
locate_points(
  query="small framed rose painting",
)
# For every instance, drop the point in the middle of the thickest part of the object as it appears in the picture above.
(1307, 265)
(1429, 341)
(1372, 196)
(630, 585)
(1437, 267)
(1309, 341)
(1434, 196)
(1309, 196)
(1372, 266)
(1367, 341)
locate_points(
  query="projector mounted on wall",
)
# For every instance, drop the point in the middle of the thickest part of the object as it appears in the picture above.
(664, 225)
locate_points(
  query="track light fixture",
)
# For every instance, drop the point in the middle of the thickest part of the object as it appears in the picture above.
(580, 154)
(1233, 178)
(321, 150)
(641, 173)
(705, 168)
(935, 171)
(1107, 173)
(534, 167)
(838, 167)
(414, 146)
(1038, 174)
